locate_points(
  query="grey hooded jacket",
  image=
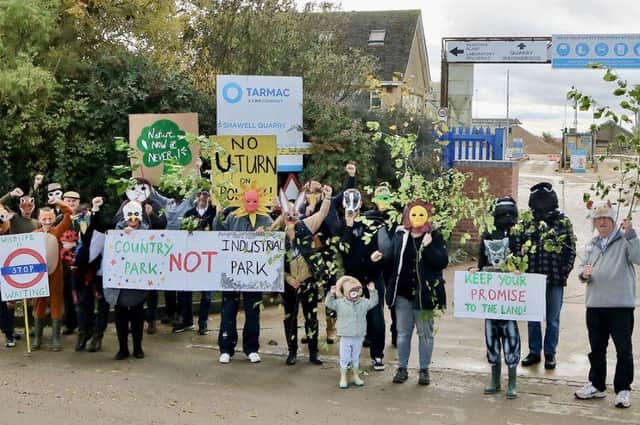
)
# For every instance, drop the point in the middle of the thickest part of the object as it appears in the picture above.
(613, 277)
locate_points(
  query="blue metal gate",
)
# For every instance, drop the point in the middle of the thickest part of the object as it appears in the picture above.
(461, 144)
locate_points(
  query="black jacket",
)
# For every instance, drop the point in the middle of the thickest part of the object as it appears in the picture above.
(205, 221)
(432, 260)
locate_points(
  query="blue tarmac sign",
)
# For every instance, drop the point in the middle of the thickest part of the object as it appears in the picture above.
(582, 50)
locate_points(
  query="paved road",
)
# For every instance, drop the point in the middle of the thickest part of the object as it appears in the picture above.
(180, 381)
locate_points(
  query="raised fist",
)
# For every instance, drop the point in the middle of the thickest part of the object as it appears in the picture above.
(327, 191)
(148, 208)
(97, 202)
(37, 181)
(351, 169)
(17, 193)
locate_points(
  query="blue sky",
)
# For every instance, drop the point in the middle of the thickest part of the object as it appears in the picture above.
(537, 92)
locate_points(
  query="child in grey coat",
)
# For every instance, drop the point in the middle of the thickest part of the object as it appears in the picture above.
(346, 300)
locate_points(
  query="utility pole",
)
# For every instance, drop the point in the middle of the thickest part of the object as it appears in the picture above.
(508, 126)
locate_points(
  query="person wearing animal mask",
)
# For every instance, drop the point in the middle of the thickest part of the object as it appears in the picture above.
(383, 201)
(416, 288)
(301, 283)
(53, 233)
(331, 226)
(129, 303)
(54, 192)
(494, 249)
(362, 260)
(549, 224)
(142, 192)
(250, 216)
(23, 222)
(346, 298)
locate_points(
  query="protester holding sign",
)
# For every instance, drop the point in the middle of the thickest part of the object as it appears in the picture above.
(301, 282)
(500, 335)
(47, 218)
(609, 273)
(550, 246)
(203, 213)
(129, 303)
(251, 215)
(416, 287)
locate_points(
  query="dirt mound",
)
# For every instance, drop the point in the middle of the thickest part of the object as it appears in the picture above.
(534, 145)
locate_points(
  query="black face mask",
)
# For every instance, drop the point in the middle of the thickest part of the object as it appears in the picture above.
(505, 222)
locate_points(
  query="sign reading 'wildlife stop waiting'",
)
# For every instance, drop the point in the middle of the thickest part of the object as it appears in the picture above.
(23, 267)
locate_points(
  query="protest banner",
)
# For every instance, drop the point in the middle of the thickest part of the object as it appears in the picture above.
(157, 138)
(506, 296)
(23, 267)
(248, 159)
(264, 105)
(177, 260)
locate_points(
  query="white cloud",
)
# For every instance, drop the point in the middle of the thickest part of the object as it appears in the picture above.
(537, 91)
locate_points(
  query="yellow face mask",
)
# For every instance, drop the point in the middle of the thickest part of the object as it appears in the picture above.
(418, 216)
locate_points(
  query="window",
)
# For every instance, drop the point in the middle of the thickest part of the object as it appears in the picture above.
(376, 37)
(375, 101)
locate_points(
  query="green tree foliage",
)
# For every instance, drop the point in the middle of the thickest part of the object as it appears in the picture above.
(626, 190)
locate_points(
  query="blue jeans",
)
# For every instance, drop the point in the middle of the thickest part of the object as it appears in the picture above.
(186, 304)
(552, 331)
(406, 318)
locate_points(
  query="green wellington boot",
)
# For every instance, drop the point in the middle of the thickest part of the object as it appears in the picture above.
(511, 390)
(494, 386)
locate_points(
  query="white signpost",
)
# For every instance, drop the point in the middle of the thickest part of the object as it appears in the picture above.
(506, 296)
(581, 50)
(497, 51)
(198, 261)
(264, 105)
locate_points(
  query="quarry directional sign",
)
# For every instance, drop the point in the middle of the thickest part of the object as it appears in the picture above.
(497, 51)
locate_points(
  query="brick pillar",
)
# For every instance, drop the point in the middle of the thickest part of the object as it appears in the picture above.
(502, 177)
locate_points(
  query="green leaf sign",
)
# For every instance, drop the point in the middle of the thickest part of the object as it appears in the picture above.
(163, 141)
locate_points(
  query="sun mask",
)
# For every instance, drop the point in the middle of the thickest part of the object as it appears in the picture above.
(351, 201)
(47, 218)
(250, 203)
(27, 204)
(417, 217)
(139, 192)
(132, 212)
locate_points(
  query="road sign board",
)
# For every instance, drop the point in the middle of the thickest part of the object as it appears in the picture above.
(443, 112)
(582, 50)
(497, 51)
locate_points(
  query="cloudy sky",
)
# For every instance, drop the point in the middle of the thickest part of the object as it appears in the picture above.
(537, 92)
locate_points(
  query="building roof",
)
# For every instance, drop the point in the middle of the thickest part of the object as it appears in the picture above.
(400, 27)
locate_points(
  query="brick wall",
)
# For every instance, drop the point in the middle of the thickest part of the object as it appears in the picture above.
(502, 177)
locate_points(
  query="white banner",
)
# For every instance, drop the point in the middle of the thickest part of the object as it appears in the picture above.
(23, 267)
(200, 261)
(507, 296)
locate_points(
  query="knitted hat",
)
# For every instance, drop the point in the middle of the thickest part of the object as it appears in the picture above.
(602, 209)
(542, 197)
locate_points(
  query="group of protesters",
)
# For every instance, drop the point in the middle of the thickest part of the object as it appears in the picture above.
(355, 259)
